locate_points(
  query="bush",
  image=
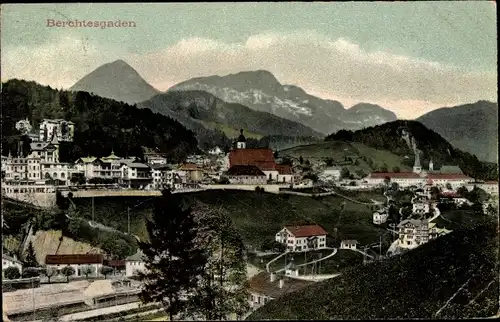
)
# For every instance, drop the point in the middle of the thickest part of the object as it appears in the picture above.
(88, 270)
(12, 273)
(68, 271)
(49, 272)
(31, 272)
(106, 270)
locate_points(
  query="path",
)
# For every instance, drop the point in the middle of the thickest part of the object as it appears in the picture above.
(273, 260)
(360, 251)
(314, 261)
(103, 311)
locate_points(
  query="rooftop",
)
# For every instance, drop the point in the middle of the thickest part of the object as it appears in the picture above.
(402, 175)
(306, 230)
(74, 259)
(261, 284)
(261, 158)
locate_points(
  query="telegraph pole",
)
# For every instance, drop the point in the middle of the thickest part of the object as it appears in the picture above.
(92, 208)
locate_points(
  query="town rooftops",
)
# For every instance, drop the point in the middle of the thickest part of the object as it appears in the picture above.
(350, 242)
(137, 165)
(244, 170)
(306, 230)
(414, 222)
(261, 284)
(447, 176)
(74, 259)
(189, 167)
(261, 158)
(87, 159)
(396, 175)
(160, 167)
(284, 169)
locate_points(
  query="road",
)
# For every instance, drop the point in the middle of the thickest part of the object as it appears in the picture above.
(103, 311)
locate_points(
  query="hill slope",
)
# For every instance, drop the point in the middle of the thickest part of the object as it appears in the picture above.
(261, 91)
(100, 124)
(471, 127)
(413, 285)
(196, 109)
(395, 137)
(118, 81)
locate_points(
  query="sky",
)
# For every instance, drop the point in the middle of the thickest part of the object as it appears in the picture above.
(407, 57)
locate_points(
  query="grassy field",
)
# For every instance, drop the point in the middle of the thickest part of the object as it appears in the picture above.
(299, 258)
(338, 150)
(343, 259)
(259, 216)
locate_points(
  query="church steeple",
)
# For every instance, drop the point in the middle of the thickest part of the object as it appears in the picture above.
(431, 166)
(417, 168)
(242, 141)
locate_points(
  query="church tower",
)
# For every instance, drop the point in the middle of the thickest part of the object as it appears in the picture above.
(431, 166)
(242, 141)
(417, 168)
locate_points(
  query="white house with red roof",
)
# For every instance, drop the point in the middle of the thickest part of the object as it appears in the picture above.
(302, 238)
(262, 159)
(403, 179)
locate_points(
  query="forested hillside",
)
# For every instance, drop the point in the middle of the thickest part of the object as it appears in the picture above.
(417, 284)
(389, 136)
(100, 124)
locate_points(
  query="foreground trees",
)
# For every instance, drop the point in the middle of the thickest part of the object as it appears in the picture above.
(194, 262)
(173, 260)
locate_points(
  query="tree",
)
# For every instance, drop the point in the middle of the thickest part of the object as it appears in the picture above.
(301, 160)
(396, 169)
(329, 161)
(222, 289)
(29, 272)
(462, 192)
(106, 270)
(49, 272)
(173, 259)
(30, 256)
(387, 180)
(12, 273)
(344, 173)
(68, 271)
(395, 186)
(307, 162)
(448, 186)
(384, 168)
(88, 270)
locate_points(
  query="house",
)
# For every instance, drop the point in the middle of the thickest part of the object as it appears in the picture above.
(135, 175)
(265, 287)
(331, 173)
(162, 176)
(62, 129)
(135, 264)
(413, 233)
(193, 172)
(77, 261)
(403, 179)
(380, 217)
(302, 238)
(216, 151)
(8, 261)
(454, 180)
(490, 187)
(421, 207)
(262, 159)
(118, 266)
(246, 174)
(154, 156)
(453, 197)
(349, 244)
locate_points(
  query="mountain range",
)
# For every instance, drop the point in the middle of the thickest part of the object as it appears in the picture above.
(257, 102)
(470, 127)
(261, 91)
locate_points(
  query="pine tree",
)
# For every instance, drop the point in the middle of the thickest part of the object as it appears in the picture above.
(173, 261)
(222, 289)
(30, 260)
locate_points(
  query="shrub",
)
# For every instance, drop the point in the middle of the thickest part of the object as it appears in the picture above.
(12, 273)
(88, 270)
(67, 271)
(31, 272)
(106, 270)
(49, 272)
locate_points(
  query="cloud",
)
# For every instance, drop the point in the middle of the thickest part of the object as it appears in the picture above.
(339, 68)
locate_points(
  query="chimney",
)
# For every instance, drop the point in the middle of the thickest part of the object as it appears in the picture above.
(273, 277)
(282, 282)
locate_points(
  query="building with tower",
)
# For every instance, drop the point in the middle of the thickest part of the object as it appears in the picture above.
(261, 158)
(417, 168)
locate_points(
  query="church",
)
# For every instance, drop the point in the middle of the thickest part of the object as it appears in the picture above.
(451, 175)
(241, 157)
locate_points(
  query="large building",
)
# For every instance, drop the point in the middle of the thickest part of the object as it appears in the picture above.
(77, 261)
(262, 159)
(302, 238)
(62, 129)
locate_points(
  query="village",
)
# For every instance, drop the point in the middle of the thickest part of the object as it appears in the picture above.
(37, 177)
